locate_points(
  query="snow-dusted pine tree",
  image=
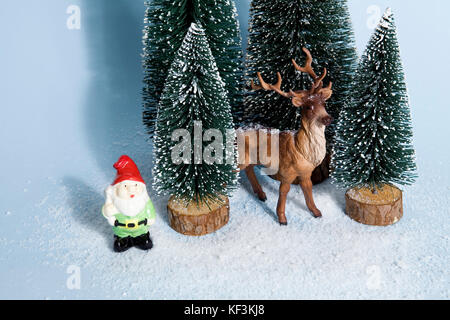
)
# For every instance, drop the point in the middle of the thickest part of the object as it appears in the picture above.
(278, 31)
(219, 19)
(374, 135)
(194, 99)
(335, 49)
(166, 24)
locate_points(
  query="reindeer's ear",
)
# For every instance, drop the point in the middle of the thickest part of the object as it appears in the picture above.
(297, 102)
(326, 92)
(298, 98)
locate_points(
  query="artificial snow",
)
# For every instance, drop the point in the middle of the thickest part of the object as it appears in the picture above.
(252, 257)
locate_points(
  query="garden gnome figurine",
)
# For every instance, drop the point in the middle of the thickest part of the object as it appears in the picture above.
(128, 207)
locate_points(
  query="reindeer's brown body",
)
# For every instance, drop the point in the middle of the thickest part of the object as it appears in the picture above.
(299, 152)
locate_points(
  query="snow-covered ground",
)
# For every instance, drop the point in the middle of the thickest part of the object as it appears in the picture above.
(72, 106)
(251, 258)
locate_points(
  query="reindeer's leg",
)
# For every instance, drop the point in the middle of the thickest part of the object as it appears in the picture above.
(281, 207)
(306, 185)
(255, 183)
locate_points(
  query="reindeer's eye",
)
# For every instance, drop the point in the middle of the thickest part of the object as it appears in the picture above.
(310, 108)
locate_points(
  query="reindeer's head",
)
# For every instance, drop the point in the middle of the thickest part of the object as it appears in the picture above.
(311, 101)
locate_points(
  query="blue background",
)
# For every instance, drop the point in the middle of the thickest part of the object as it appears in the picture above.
(70, 102)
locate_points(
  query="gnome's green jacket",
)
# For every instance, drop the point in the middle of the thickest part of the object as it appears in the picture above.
(126, 226)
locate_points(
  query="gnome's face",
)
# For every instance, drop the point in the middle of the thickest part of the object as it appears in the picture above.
(129, 189)
(130, 197)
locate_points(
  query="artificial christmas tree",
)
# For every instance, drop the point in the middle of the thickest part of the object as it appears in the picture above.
(373, 147)
(278, 31)
(219, 19)
(166, 24)
(195, 100)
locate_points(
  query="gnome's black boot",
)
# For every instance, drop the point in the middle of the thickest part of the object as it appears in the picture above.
(143, 242)
(122, 244)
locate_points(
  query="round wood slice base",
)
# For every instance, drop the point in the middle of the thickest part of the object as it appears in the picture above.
(196, 220)
(384, 208)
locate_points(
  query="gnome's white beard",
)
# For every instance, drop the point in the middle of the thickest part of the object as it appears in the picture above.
(133, 206)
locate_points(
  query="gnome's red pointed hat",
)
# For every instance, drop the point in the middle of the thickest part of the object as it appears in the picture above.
(127, 170)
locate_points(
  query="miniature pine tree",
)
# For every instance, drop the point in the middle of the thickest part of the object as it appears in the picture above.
(278, 31)
(219, 19)
(194, 93)
(166, 24)
(335, 49)
(374, 134)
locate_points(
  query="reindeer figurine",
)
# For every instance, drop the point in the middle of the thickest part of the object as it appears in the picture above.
(299, 153)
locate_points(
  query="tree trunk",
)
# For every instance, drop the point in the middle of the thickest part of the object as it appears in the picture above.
(383, 208)
(196, 220)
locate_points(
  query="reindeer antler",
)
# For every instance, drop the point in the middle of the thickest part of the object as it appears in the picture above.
(272, 87)
(316, 88)
(309, 70)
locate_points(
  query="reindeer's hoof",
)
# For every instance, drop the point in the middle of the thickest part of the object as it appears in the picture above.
(282, 220)
(317, 214)
(262, 196)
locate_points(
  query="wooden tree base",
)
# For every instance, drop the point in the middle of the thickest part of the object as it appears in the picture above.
(197, 221)
(383, 208)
